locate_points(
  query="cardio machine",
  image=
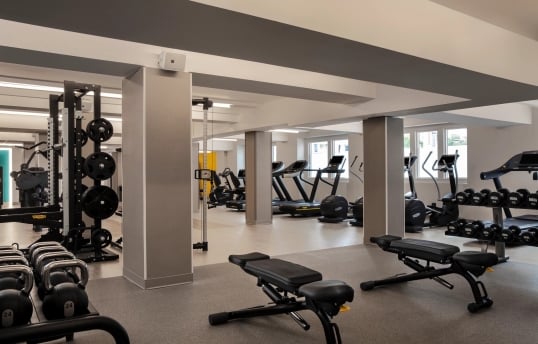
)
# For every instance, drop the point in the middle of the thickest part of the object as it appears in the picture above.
(448, 211)
(311, 207)
(415, 210)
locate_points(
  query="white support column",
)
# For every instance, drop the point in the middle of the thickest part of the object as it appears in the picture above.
(258, 177)
(157, 218)
(383, 177)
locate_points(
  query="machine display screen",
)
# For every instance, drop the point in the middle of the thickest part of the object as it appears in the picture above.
(529, 159)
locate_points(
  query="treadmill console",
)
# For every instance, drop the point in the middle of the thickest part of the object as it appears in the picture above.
(334, 163)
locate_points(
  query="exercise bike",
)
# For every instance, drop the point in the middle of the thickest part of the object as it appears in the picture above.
(448, 211)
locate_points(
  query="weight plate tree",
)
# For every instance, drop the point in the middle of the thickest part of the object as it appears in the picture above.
(96, 201)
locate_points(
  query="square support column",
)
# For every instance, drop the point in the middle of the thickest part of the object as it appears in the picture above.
(258, 178)
(157, 215)
(383, 177)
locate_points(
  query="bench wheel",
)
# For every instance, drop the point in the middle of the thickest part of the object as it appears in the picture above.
(218, 318)
(367, 285)
(475, 307)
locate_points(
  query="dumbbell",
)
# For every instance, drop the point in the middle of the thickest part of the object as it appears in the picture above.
(530, 236)
(532, 200)
(510, 234)
(518, 198)
(66, 299)
(497, 198)
(479, 198)
(15, 304)
(473, 229)
(456, 227)
(490, 232)
(465, 196)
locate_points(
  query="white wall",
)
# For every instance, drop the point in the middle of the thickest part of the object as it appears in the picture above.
(489, 148)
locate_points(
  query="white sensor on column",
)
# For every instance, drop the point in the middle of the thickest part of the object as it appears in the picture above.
(172, 62)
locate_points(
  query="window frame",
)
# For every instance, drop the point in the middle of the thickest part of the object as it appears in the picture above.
(330, 152)
(442, 147)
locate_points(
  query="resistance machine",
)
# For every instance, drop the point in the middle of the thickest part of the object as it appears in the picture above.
(468, 264)
(278, 279)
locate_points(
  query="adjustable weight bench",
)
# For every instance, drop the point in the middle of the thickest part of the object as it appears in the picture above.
(468, 264)
(278, 279)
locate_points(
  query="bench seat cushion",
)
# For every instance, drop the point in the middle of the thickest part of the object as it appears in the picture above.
(286, 275)
(242, 259)
(425, 249)
(337, 292)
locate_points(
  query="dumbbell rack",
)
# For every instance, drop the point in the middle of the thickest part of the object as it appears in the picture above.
(40, 329)
(73, 170)
(528, 162)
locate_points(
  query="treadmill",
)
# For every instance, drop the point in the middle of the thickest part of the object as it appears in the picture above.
(293, 171)
(311, 207)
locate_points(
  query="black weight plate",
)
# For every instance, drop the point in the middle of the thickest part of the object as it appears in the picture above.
(99, 166)
(101, 238)
(82, 136)
(100, 202)
(99, 130)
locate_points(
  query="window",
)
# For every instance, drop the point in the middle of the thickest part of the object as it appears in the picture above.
(320, 151)
(427, 142)
(407, 144)
(273, 154)
(437, 141)
(318, 156)
(456, 140)
(341, 147)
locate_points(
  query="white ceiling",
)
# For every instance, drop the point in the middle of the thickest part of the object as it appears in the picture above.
(517, 15)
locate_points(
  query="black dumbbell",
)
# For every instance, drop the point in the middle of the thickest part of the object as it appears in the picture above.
(480, 198)
(473, 229)
(532, 200)
(490, 232)
(465, 196)
(518, 198)
(529, 236)
(67, 299)
(456, 227)
(510, 234)
(497, 198)
(15, 304)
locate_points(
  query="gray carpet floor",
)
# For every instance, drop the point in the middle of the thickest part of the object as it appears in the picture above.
(417, 312)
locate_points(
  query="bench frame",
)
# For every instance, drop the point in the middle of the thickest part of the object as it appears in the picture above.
(423, 271)
(284, 302)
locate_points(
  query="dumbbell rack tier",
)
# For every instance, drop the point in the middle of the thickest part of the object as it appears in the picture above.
(524, 162)
(73, 170)
(39, 328)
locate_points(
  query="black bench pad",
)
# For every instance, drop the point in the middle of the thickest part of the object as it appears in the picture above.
(286, 275)
(425, 249)
(337, 292)
(476, 258)
(242, 259)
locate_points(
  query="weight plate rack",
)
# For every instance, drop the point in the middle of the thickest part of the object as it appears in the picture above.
(80, 202)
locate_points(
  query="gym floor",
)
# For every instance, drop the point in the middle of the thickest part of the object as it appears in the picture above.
(229, 234)
(417, 312)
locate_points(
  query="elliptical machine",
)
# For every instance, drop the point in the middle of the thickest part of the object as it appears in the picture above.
(415, 210)
(448, 211)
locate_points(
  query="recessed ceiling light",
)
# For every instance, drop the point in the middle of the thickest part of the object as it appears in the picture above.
(50, 89)
(223, 139)
(222, 105)
(289, 131)
(23, 113)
